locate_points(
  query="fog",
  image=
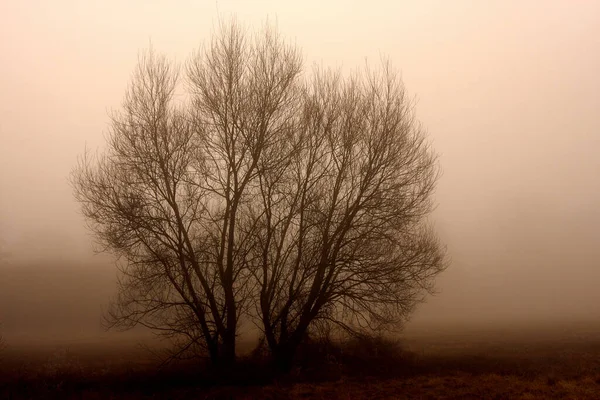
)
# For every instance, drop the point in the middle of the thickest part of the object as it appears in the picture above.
(509, 92)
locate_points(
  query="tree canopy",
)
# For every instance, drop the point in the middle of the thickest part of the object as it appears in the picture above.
(265, 193)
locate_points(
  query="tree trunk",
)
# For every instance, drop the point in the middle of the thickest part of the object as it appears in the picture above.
(213, 352)
(283, 357)
(228, 352)
(285, 352)
(229, 335)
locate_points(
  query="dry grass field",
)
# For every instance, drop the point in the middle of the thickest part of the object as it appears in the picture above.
(551, 362)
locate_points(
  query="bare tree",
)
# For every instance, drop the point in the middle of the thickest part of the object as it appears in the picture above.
(292, 201)
(141, 200)
(244, 100)
(170, 193)
(341, 236)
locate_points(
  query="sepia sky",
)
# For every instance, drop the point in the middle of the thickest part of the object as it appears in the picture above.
(509, 92)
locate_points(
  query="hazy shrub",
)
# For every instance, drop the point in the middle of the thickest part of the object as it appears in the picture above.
(329, 357)
(319, 349)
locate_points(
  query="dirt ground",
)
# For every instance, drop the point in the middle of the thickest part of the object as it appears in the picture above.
(550, 362)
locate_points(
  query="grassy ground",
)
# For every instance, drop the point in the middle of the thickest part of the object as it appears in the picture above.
(543, 363)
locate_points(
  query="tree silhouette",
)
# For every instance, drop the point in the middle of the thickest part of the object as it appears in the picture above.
(287, 199)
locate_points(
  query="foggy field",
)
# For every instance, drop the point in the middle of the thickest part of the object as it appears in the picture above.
(550, 361)
(400, 198)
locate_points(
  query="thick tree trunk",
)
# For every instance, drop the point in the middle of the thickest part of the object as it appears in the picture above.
(229, 335)
(213, 352)
(228, 353)
(284, 352)
(283, 357)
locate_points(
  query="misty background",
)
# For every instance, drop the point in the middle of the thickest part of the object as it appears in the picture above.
(509, 92)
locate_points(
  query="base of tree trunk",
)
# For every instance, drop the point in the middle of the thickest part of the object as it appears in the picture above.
(283, 360)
